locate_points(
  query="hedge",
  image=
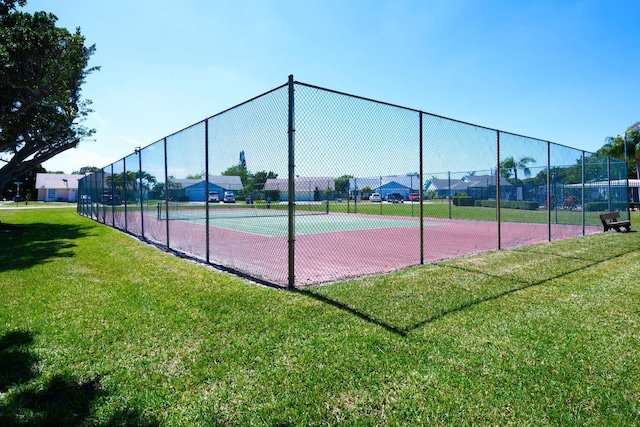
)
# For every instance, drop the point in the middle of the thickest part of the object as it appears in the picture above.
(464, 201)
(604, 206)
(508, 204)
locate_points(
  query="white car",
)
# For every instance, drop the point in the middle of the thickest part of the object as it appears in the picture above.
(375, 197)
(214, 197)
(229, 197)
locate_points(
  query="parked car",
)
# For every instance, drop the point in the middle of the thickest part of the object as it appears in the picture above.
(375, 197)
(229, 197)
(395, 198)
(214, 197)
(414, 196)
(110, 199)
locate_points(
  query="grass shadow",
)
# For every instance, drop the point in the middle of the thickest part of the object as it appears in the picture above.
(38, 243)
(59, 401)
(513, 285)
(16, 362)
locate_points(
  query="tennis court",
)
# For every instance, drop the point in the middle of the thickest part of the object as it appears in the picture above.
(309, 219)
(481, 189)
(337, 246)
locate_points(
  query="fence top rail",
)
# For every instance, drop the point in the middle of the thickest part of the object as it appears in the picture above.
(357, 97)
(432, 115)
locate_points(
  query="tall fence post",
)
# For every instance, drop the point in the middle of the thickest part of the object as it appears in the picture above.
(113, 199)
(139, 153)
(206, 188)
(124, 186)
(609, 182)
(450, 193)
(498, 189)
(549, 195)
(291, 187)
(421, 209)
(166, 192)
(582, 197)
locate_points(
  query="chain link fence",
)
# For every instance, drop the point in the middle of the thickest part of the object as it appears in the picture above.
(303, 185)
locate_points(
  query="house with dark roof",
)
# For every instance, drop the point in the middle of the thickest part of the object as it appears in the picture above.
(386, 185)
(193, 190)
(480, 187)
(307, 189)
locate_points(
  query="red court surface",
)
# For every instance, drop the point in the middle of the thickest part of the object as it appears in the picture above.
(339, 255)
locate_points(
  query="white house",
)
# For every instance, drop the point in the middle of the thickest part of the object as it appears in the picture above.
(54, 187)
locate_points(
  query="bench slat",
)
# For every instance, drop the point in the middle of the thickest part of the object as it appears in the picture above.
(610, 221)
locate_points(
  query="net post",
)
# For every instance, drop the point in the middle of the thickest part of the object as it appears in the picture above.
(291, 186)
(355, 195)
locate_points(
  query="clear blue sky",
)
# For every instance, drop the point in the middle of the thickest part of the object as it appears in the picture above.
(564, 71)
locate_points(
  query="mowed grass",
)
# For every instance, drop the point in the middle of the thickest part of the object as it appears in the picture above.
(97, 328)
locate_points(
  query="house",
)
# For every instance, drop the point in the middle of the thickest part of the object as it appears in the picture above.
(386, 185)
(307, 189)
(54, 187)
(599, 190)
(478, 186)
(193, 190)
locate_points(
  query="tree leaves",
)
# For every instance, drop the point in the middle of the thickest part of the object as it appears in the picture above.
(42, 70)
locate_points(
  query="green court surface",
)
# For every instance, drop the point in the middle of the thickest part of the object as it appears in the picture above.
(305, 224)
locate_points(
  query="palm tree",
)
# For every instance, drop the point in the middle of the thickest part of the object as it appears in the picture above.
(510, 164)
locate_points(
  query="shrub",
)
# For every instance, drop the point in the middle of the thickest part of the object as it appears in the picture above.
(463, 201)
(508, 204)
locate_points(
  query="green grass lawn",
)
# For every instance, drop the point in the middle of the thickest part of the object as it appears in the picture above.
(97, 328)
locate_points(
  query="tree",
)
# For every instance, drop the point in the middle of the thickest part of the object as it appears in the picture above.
(614, 147)
(260, 178)
(509, 165)
(41, 109)
(199, 175)
(342, 184)
(242, 172)
(28, 185)
(85, 170)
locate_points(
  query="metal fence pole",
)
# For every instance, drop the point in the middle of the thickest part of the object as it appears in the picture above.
(291, 185)
(582, 196)
(381, 196)
(609, 182)
(498, 189)
(139, 153)
(421, 209)
(124, 184)
(113, 199)
(450, 193)
(206, 187)
(549, 195)
(166, 192)
(626, 174)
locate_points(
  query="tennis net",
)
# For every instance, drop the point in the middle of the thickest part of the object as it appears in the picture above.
(197, 211)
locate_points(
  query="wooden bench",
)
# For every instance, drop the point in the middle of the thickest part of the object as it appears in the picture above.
(610, 221)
